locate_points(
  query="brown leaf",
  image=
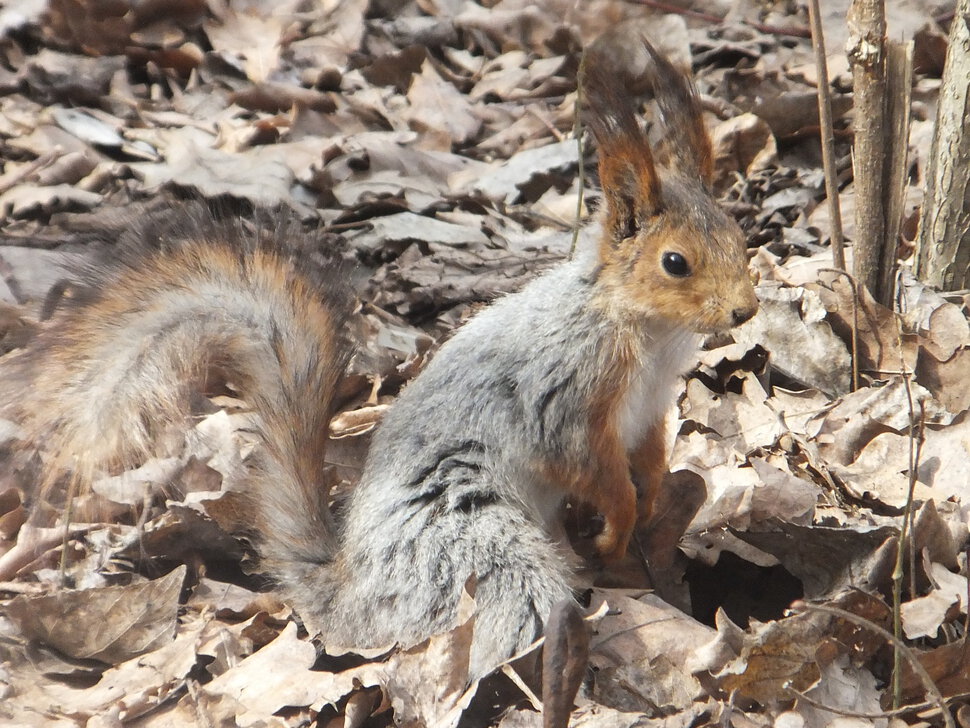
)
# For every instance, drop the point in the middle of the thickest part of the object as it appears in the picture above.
(742, 144)
(790, 323)
(333, 38)
(947, 380)
(192, 163)
(882, 347)
(279, 676)
(428, 684)
(778, 654)
(923, 616)
(439, 112)
(526, 174)
(948, 667)
(111, 624)
(641, 652)
(251, 38)
(742, 420)
(277, 97)
(396, 69)
(30, 201)
(949, 330)
(131, 689)
(406, 227)
(69, 78)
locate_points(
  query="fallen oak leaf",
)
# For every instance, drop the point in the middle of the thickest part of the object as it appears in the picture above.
(279, 676)
(111, 624)
(129, 690)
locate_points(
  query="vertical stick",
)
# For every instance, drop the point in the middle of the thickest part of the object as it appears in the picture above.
(827, 138)
(866, 50)
(899, 81)
(944, 235)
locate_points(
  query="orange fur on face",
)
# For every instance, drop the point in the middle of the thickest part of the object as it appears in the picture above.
(650, 211)
(704, 301)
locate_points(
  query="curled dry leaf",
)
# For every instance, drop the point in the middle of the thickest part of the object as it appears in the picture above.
(191, 163)
(405, 227)
(923, 616)
(111, 624)
(884, 348)
(439, 112)
(662, 638)
(428, 684)
(127, 691)
(27, 201)
(742, 144)
(279, 676)
(356, 422)
(790, 324)
(526, 174)
(253, 39)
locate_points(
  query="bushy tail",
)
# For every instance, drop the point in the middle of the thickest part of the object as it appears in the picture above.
(122, 359)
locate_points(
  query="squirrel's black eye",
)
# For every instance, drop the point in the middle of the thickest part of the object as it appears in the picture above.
(675, 264)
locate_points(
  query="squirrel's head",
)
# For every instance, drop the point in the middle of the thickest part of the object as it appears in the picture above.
(668, 252)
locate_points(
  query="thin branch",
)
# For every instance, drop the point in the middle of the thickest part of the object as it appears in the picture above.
(856, 714)
(915, 449)
(931, 689)
(827, 137)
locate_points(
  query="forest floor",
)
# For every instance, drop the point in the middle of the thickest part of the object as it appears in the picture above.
(431, 144)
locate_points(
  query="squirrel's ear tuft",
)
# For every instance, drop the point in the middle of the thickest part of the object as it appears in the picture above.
(686, 138)
(628, 177)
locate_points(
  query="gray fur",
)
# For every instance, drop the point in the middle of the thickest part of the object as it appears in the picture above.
(448, 491)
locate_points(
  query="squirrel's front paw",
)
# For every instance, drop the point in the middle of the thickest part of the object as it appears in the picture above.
(611, 542)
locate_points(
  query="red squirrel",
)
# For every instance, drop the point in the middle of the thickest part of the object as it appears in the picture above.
(556, 392)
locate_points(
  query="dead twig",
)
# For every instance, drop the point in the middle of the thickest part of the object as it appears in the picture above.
(827, 137)
(931, 689)
(915, 449)
(856, 714)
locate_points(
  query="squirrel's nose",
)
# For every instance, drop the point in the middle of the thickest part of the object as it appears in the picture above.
(740, 315)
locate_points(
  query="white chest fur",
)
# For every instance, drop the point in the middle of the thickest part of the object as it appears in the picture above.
(652, 388)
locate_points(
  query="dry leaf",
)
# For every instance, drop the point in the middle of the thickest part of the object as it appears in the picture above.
(517, 177)
(111, 624)
(428, 684)
(640, 654)
(923, 616)
(439, 112)
(790, 323)
(279, 676)
(252, 39)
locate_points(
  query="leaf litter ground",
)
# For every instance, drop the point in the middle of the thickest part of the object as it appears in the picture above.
(432, 144)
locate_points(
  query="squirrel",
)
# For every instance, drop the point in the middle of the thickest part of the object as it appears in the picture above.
(556, 392)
